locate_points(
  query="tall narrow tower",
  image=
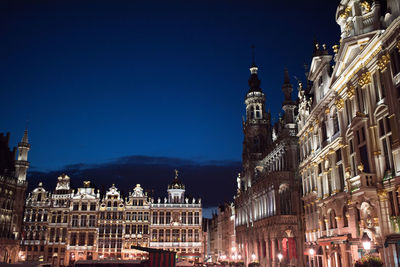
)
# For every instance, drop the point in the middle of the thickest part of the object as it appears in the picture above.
(288, 104)
(22, 164)
(256, 127)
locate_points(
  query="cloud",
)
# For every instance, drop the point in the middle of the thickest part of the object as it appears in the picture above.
(212, 181)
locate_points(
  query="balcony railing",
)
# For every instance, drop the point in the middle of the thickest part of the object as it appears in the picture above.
(362, 180)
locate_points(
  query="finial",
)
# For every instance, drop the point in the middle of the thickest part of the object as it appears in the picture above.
(176, 173)
(253, 55)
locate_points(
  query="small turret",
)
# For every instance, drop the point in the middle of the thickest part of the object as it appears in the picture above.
(176, 190)
(22, 164)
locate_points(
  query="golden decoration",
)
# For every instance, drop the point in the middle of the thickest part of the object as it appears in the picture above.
(351, 91)
(383, 62)
(382, 194)
(366, 6)
(345, 13)
(377, 153)
(338, 218)
(398, 46)
(327, 110)
(339, 103)
(360, 167)
(365, 78)
(335, 49)
(86, 184)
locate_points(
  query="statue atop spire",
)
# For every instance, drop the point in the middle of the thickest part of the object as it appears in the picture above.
(254, 82)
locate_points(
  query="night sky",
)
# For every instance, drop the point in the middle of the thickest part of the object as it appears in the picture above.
(127, 91)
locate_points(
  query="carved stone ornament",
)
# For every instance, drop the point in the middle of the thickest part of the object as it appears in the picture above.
(382, 194)
(383, 61)
(351, 91)
(365, 78)
(339, 103)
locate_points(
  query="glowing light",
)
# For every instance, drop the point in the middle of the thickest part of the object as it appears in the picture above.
(312, 252)
(253, 257)
(280, 256)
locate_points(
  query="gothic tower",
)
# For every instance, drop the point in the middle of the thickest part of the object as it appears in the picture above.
(256, 127)
(22, 164)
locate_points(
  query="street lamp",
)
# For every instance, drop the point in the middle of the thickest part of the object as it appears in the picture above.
(312, 252)
(366, 242)
(253, 257)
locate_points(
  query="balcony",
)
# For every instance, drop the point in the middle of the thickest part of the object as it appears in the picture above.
(363, 180)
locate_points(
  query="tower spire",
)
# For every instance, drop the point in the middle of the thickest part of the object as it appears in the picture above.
(22, 164)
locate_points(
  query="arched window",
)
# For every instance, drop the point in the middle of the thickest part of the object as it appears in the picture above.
(258, 112)
(251, 112)
(109, 204)
(115, 204)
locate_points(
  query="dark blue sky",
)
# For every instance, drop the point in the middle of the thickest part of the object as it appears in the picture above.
(100, 80)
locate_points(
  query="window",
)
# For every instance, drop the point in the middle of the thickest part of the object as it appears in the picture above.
(335, 121)
(134, 216)
(145, 216)
(339, 166)
(82, 237)
(196, 218)
(72, 241)
(345, 217)
(190, 235)
(324, 133)
(74, 222)
(183, 217)
(140, 202)
(161, 219)
(168, 217)
(190, 218)
(84, 206)
(161, 235)
(127, 229)
(196, 236)
(145, 229)
(183, 235)
(83, 220)
(102, 215)
(92, 206)
(134, 229)
(385, 135)
(349, 111)
(92, 220)
(120, 215)
(90, 239)
(128, 216)
(51, 235)
(395, 62)
(175, 235)
(167, 235)
(154, 235)
(63, 235)
(155, 217)
(75, 206)
(140, 216)
(258, 112)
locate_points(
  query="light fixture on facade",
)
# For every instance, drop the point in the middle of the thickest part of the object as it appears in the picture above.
(280, 256)
(312, 251)
(253, 257)
(366, 241)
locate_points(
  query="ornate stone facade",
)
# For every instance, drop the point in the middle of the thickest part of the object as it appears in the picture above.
(266, 204)
(12, 194)
(348, 136)
(65, 226)
(223, 246)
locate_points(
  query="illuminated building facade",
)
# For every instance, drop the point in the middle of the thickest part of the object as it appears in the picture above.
(12, 195)
(83, 229)
(137, 223)
(222, 226)
(267, 204)
(348, 125)
(34, 240)
(67, 225)
(176, 223)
